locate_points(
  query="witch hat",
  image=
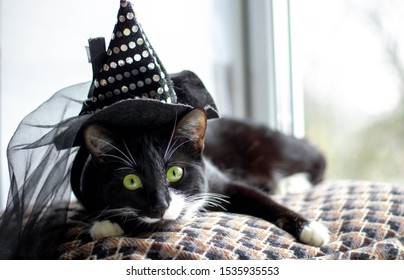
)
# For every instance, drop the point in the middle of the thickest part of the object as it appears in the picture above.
(131, 68)
(131, 87)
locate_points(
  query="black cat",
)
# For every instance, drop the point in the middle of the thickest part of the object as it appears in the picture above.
(145, 179)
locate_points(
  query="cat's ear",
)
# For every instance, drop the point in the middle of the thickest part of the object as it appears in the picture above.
(98, 140)
(193, 127)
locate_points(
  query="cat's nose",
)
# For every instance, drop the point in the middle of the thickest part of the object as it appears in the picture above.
(159, 203)
(158, 211)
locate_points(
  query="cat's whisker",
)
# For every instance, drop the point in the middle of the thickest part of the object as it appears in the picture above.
(175, 149)
(129, 153)
(216, 200)
(100, 214)
(128, 163)
(106, 214)
(128, 160)
(213, 196)
(124, 168)
(214, 205)
(170, 147)
(183, 163)
(171, 138)
(209, 199)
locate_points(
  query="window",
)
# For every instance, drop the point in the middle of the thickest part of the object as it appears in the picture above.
(351, 58)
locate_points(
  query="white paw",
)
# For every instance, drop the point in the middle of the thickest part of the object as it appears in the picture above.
(315, 234)
(297, 183)
(105, 229)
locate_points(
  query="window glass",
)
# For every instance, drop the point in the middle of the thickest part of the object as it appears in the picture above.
(350, 55)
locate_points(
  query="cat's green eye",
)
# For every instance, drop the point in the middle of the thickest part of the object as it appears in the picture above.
(132, 182)
(174, 174)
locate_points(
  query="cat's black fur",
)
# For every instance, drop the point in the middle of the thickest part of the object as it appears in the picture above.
(227, 164)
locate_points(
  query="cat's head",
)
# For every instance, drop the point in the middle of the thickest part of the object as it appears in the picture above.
(149, 177)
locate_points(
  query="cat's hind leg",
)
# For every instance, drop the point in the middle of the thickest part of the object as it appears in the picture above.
(296, 183)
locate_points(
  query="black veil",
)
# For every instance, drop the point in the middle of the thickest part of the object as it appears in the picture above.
(33, 222)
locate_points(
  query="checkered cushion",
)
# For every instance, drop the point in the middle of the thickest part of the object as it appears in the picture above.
(366, 221)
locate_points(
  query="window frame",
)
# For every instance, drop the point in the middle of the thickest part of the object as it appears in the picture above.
(274, 87)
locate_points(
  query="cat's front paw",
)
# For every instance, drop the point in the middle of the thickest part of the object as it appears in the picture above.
(314, 234)
(105, 229)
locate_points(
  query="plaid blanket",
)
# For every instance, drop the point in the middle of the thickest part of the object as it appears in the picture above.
(366, 221)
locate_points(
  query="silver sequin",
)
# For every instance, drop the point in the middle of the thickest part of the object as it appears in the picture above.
(126, 32)
(124, 89)
(124, 48)
(156, 78)
(130, 15)
(132, 45)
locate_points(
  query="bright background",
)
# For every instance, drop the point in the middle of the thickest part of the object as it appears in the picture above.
(330, 70)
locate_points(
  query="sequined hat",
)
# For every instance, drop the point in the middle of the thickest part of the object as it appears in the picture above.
(131, 87)
(131, 68)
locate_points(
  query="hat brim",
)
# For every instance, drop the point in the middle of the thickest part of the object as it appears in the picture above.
(135, 113)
